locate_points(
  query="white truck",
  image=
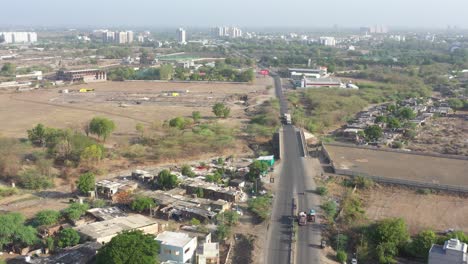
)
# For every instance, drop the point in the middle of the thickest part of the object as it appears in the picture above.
(287, 119)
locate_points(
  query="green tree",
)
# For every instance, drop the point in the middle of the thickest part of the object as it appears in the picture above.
(166, 72)
(386, 251)
(223, 232)
(196, 115)
(8, 69)
(32, 180)
(142, 203)
(330, 209)
(167, 180)
(220, 110)
(129, 247)
(75, 211)
(389, 235)
(86, 183)
(37, 135)
(341, 256)
(13, 231)
(178, 122)
(256, 169)
(260, 206)
(381, 119)
(46, 217)
(186, 170)
(456, 103)
(229, 218)
(92, 154)
(102, 127)
(393, 122)
(68, 237)
(373, 133)
(406, 113)
(195, 222)
(422, 243)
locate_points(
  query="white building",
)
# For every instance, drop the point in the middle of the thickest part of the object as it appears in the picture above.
(129, 36)
(327, 41)
(177, 247)
(452, 252)
(18, 37)
(232, 32)
(181, 36)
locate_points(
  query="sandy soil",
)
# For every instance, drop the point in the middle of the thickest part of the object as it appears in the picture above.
(436, 211)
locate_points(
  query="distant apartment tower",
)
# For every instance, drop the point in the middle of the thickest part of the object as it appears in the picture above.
(452, 252)
(327, 41)
(181, 36)
(378, 29)
(129, 36)
(109, 36)
(18, 37)
(224, 31)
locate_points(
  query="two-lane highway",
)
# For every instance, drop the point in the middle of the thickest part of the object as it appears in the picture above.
(294, 181)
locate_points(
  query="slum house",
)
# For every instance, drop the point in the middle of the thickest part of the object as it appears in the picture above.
(143, 176)
(79, 254)
(176, 206)
(106, 213)
(108, 188)
(211, 190)
(104, 231)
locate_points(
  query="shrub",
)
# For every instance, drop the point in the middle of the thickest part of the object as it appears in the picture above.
(46, 217)
(68, 237)
(424, 191)
(142, 203)
(31, 179)
(329, 208)
(260, 206)
(322, 190)
(75, 211)
(341, 256)
(7, 191)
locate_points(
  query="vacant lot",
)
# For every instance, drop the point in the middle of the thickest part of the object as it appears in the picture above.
(435, 211)
(400, 165)
(127, 103)
(446, 135)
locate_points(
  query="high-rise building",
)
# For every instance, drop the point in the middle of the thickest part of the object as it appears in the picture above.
(327, 41)
(18, 37)
(232, 32)
(181, 36)
(121, 37)
(129, 36)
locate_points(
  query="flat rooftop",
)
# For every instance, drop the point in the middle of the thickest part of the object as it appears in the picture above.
(114, 226)
(400, 165)
(174, 238)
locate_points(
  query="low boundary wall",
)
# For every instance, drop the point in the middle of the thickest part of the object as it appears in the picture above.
(388, 180)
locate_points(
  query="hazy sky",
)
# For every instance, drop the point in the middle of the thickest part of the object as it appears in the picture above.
(251, 13)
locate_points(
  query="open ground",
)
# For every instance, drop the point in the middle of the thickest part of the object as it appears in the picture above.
(127, 103)
(400, 166)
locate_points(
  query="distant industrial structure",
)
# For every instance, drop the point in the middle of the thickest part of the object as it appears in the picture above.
(87, 75)
(327, 41)
(230, 32)
(181, 36)
(18, 37)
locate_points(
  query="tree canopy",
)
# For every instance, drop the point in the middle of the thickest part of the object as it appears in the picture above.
(130, 247)
(13, 231)
(167, 180)
(221, 110)
(102, 127)
(86, 182)
(68, 237)
(373, 133)
(46, 217)
(142, 203)
(256, 169)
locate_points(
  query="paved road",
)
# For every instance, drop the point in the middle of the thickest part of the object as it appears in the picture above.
(295, 181)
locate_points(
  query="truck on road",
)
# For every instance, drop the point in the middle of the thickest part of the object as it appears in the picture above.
(311, 216)
(302, 218)
(287, 119)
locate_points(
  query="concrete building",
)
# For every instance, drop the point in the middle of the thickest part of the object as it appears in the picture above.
(129, 36)
(319, 83)
(104, 231)
(18, 37)
(327, 41)
(177, 247)
(86, 75)
(181, 36)
(298, 73)
(121, 37)
(108, 188)
(232, 32)
(452, 252)
(208, 253)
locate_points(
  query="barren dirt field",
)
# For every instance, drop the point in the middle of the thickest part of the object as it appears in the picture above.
(401, 165)
(127, 103)
(436, 211)
(446, 135)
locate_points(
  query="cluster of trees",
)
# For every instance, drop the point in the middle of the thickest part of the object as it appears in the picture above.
(260, 206)
(114, 52)
(223, 72)
(265, 122)
(165, 72)
(225, 222)
(8, 69)
(221, 110)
